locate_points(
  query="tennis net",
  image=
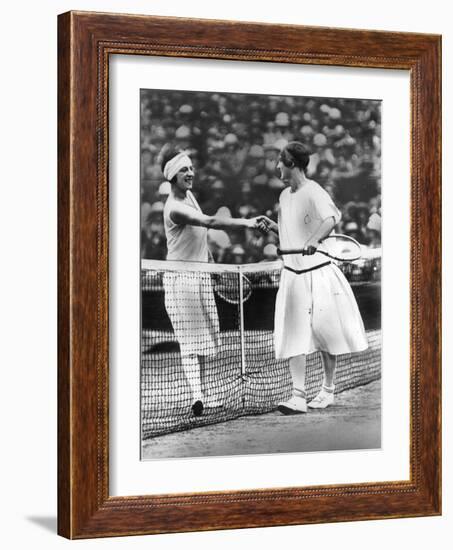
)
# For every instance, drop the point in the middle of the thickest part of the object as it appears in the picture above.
(222, 317)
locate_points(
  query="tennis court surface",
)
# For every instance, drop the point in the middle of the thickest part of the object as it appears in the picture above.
(353, 422)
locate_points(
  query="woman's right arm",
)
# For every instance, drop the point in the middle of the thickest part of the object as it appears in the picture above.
(184, 215)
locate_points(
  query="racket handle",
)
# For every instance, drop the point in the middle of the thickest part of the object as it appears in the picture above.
(281, 252)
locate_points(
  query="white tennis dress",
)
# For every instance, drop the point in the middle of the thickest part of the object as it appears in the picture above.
(315, 310)
(189, 296)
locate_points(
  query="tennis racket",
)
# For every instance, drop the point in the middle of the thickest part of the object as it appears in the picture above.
(228, 287)
(342, 248)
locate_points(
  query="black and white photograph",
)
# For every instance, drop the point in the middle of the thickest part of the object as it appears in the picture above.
(260, 274)
(229, 344)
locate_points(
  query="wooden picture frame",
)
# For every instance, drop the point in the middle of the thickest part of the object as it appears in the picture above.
(85, 41)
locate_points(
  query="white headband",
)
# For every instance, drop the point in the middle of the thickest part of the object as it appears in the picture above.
(175, 164)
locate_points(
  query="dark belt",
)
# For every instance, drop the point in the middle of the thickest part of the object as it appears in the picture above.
(300, 271)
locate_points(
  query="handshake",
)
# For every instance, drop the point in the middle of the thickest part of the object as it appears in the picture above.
(262, 223)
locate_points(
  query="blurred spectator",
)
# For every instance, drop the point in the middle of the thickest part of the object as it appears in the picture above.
(352, 229)
(271, 152)
(270, 253)
(216, 197)
(218, 242)
(164, 191)
(236, 255)
(374, 230)
(374, 223)
(153, 233)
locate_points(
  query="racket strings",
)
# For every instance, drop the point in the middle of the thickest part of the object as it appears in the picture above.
(232, 287)
(342, 248)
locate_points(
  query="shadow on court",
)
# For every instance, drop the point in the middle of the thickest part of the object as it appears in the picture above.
(353, 422)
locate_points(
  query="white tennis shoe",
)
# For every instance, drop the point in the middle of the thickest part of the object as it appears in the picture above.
(294, 405)
(323, 400)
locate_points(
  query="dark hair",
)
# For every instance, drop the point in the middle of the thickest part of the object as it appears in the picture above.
(295, 154)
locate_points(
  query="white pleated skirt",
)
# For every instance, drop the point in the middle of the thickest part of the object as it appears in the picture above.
(190, 304)
(317, 311)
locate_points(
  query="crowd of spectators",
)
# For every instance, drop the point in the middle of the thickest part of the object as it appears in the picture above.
(234, 142)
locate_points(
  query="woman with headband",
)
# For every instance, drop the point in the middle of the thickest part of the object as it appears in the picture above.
(189, 297)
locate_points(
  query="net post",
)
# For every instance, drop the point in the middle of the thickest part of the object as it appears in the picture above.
(241, 320)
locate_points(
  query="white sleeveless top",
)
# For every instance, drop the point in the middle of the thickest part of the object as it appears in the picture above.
(184, 242)
(301, 214)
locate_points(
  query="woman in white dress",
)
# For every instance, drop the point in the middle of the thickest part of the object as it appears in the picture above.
(189, 297)
(315, 307)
